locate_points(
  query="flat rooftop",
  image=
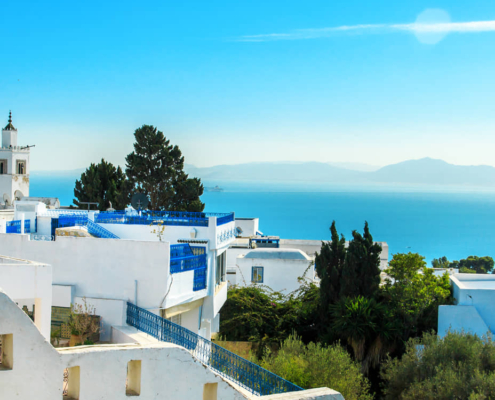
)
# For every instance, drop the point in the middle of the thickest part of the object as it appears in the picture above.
(277, 254)
(474, 281)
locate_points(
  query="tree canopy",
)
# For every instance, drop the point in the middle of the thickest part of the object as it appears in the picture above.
(156, 168)
(413, 293)
(102, 183)
(470, 265)
(475, 264)
(347, 271)
(315, 365)
(458, 366)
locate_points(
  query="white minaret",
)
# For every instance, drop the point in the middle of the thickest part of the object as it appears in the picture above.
(14, 167)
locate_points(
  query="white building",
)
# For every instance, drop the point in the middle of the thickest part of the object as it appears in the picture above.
(29, 284)
(277, 268)
(31, 368)
(474, 312)
(277, 263)
(170, 263)
(14, 167)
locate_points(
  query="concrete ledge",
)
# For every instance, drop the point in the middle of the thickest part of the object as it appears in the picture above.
(320, 393)
(129, 334)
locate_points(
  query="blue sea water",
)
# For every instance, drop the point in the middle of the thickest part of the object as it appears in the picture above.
(455, 223)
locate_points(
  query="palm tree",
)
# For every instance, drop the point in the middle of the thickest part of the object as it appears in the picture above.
(366, 326)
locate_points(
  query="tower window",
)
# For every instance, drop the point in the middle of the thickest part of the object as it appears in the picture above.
(3, 167)
(21, 167)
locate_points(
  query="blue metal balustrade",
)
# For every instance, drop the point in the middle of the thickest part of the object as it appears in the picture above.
(250, 376)
(225, 219)
(184, 257)
(15, 226)
(81, 220)
(199, 279)
(178, 218)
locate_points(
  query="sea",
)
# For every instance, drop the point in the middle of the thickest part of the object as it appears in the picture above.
(455, 222)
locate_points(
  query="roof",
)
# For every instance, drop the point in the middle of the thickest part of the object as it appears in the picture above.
(474, 281)
(9, 126)
(282, 254)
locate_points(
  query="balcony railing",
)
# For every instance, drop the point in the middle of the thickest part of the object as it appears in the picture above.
(65, 221)
(184, 257)
(199, 279)
(163, 218)
(250, 376)
(15, 226)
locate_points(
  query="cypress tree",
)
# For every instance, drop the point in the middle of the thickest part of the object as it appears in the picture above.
(329, 264)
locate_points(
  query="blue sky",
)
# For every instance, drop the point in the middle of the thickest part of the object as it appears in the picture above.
(241, 81)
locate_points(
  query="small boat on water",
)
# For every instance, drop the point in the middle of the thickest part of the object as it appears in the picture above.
(214, 189)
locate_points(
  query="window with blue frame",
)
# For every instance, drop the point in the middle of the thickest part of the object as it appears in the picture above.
(257, 275)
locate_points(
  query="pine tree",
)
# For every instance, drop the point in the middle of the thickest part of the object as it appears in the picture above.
(156, 168)
(102, 183)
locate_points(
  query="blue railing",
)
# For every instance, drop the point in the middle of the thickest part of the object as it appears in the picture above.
(199, 279)
(180, 250)
(65, 221)
(225, 219)
(15, 226)
(163, 218)
(229, 365)
(100, 232)
(184, 257)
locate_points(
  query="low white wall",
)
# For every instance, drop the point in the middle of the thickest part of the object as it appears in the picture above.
(171, 233)
(249, 226)
(30, 281)
(459, 319)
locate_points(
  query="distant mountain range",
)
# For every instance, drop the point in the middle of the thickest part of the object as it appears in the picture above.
(423, 171)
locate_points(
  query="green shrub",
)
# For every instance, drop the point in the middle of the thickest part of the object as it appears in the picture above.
(458, 366)
(315, 366)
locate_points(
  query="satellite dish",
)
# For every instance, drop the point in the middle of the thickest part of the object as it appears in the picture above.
(7, 200)
(139, 201)
(18, 195)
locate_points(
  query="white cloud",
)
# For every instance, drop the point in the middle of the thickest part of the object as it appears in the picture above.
(416, 28)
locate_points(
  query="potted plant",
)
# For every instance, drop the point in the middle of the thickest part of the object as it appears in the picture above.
(83, 322)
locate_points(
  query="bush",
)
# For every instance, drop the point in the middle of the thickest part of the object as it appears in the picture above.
(458, 366)
(315, 366)
(258, 314)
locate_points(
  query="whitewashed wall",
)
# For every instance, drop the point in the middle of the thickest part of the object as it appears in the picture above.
(31, 283)
(109, 269)
(279, 274)
(249, 226)
(474, 311)
(168, 371)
